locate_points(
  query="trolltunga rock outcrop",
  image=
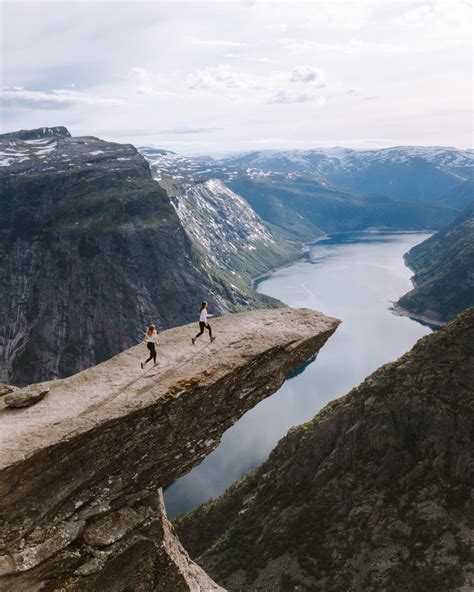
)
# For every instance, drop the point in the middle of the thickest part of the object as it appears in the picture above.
(81, 470)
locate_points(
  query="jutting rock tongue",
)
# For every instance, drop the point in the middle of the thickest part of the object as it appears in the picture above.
(80, 469)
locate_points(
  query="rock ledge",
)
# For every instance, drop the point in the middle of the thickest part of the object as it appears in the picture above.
(81, 469)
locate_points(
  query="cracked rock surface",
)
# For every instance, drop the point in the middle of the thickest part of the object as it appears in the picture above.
(81, 470)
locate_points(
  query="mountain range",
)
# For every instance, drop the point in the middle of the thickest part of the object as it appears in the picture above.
(309, 193)
(98, 239)
(402, 172)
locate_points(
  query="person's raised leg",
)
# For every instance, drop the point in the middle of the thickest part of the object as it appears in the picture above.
(211, 338)
(201, 327)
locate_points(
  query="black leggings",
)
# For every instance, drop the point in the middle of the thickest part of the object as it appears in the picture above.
(203, 326)
(151, 347)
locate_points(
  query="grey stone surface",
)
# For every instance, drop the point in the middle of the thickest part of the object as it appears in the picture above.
(80, 470)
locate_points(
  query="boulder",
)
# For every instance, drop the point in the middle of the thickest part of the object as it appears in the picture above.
(26, 396)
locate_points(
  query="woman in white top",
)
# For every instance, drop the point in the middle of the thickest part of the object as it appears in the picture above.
(151, 340)
(203, 324)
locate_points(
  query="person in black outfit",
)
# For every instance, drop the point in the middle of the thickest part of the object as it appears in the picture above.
(151, 340)
(203, 324)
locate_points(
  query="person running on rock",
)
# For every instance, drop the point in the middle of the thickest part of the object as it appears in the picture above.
(151, 340)
(203, 324)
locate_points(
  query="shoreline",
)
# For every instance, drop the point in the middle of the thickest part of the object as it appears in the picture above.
(401, 311)
(423, 319)
(305, 249)
(395, 307)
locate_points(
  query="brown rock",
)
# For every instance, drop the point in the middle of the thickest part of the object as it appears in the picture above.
(5, 389)
(26, 396)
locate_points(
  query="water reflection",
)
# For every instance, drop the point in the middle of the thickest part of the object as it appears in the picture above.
(353, 277)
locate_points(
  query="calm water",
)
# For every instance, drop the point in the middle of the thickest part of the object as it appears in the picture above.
(354, 277)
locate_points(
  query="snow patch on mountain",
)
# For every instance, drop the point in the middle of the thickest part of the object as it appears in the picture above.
(221, 222)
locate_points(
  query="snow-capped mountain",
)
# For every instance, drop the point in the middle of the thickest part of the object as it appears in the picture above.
(223, 226)
(404, 172)
(290, 191)
(220, 221)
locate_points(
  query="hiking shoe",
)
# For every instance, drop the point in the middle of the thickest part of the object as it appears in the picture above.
(193, 339)
(142, 365)
(213, 339)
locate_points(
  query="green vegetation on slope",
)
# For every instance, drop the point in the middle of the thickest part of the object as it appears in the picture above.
(304, 208)
(444, 272)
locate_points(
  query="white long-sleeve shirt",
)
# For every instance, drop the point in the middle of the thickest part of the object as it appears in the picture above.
(153, 338)
(203, 316)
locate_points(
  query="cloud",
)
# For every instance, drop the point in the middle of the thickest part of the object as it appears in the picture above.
(20, 98)
(306, 74)
(218, 78)
(146, 82)
(418, 14)
(284, 97)
(245, 62)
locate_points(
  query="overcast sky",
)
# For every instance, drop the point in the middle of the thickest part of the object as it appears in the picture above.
(214, 77)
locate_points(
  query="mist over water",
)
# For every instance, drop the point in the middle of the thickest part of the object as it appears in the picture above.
(354, 277)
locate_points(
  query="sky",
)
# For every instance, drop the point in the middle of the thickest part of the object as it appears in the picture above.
(217, 77)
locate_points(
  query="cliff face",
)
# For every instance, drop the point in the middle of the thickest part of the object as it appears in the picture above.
(234, 242)
(444, 272)
(91, 251)
(374, 494)
(80, 470)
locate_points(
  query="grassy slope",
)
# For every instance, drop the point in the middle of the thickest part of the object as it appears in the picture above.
(444, 272)
(302, 207)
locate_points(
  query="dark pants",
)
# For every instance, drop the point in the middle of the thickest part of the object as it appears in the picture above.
(203, 326)
(151, 347)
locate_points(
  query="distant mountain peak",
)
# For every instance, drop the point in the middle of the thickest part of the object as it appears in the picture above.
(38, 133)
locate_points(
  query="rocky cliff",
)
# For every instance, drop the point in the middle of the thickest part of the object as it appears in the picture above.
(444, 272)
(91, 251)
(80, 470)
(374, 494)
(228, 233)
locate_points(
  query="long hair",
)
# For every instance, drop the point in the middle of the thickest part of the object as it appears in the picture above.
(151, 329)
(203, 306)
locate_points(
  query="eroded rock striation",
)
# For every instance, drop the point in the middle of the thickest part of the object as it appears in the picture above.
(374, 494)
(80, 472)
